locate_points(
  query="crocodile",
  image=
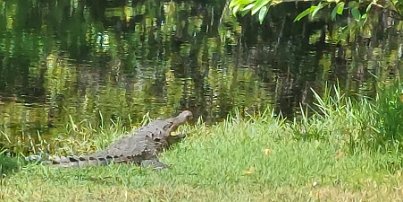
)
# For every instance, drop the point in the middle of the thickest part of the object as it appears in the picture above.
(140, 147)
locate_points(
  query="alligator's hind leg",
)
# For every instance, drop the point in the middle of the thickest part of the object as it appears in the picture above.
(154, 164)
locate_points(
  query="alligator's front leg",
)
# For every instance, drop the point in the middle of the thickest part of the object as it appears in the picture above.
(154, 164)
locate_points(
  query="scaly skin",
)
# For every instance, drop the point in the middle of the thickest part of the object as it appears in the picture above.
(140, 147)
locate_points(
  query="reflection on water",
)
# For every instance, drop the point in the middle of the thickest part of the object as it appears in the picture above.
(75, 61)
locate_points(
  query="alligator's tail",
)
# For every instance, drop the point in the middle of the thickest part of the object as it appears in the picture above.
(73, 161)
(79, 161)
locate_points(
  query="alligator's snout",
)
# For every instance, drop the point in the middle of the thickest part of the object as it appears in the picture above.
(182, 118)
(186, 115)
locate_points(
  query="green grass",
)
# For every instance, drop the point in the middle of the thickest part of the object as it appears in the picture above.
(254, 159)
(330, 155)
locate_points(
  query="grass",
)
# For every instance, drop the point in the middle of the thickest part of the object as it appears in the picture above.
(327, 156)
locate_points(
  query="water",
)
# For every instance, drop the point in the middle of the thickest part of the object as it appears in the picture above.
(63, 61)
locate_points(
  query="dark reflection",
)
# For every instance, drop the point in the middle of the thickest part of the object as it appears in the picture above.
(102, 61)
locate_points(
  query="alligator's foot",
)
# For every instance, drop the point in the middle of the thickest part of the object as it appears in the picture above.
(34, 158)
(37, 158)
(154, 164)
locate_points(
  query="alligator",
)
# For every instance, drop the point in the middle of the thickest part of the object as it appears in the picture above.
(140, 147)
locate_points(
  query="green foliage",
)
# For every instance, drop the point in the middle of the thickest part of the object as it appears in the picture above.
(337, 10)
(312, 11)
(389, 114)
(357, 124)
(337, 147)
(8, 165)
(71, 78)
(254, 157)
(253, 6)
(352, 124)
(261, 6)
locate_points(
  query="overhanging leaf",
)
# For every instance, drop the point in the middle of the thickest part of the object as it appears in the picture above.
(318, 7)
(334, 13)
(262, 13)
(337, 10)
(356, 14)
(303, 13)
(340, 8)
(369, 7)
(248, 7)
(259, 4)
(235, 10)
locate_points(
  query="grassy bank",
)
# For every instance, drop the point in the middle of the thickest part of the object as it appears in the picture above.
(339, 153)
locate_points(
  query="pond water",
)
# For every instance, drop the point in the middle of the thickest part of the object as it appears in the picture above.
(74, 61)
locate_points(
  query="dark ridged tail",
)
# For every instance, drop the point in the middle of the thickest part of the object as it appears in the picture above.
(74, 161)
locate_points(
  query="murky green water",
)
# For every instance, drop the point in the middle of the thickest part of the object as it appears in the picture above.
(97, 61)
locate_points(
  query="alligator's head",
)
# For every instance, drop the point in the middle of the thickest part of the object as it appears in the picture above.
(182, 118)
(164, 137)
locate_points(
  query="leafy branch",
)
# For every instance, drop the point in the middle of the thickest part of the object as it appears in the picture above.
(261, 8)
